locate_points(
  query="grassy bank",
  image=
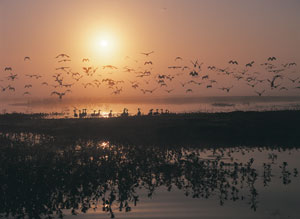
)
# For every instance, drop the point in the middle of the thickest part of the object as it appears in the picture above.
(234, 128)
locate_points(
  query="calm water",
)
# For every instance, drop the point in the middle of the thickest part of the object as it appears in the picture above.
(177, 105)
(41, 175)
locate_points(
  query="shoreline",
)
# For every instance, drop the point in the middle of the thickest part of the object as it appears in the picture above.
(232, 128)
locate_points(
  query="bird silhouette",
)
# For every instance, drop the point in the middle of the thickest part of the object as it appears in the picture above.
(12, 77)
(26, 93)
(233, 62)
(174, 67)
(85, 85)
(211, 67)
(250, 64)
(77, 78)
(60, 94)
(283, 88)
(62, 55)
(109, 66)
(110, 113)
(178, 58)
(195, 63)
(67, 78)
(139, 112)
(148, 63)
(87, 70)
(9, 87)
(169, 91)
(65, 60)
(252, 85)
(147, 53)
(260, 93)
(293, 80)
(75, 113)
(272, 58)
(7, 69)
(185, 67)
(194, 73)
(3, 89)
(272, 81)
(62, 68)
(227, 89)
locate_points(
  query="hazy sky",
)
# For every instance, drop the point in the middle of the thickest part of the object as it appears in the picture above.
(212, 31)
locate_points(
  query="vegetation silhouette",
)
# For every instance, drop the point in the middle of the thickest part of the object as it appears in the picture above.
(42, 175)
(235, 128)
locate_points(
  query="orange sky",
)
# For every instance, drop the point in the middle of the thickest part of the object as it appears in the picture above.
(213, 32)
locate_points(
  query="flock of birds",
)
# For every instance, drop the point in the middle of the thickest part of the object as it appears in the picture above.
(96, 114)
(182, 74)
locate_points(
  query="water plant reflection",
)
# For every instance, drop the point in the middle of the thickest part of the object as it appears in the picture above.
(45, 177)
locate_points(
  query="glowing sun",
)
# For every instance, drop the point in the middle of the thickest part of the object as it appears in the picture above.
(104, 46)
(103, 43)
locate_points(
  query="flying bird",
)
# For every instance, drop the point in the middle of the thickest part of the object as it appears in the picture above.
(85, 85)
(109, 66)
(283, 88)
(272, 58)
(175, 67)
(148, 63)
(12, 77)
(211, 67)
(87, 69)
(60, 95)
(62, 68)
(227, 89)
(26, 93)
(260, 93)
(185, 67)
(194, 73)
(62, 55)
(7, 69)
(3, 88)
(250, 64)
(65, 60)
(169, 91)
(195, 63)
(233, 62)
(293, 80)
(11, 88)
(147, 53)
(204, 77)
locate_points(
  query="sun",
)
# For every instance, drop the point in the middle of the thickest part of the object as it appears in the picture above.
(104, 43)
(105, 46)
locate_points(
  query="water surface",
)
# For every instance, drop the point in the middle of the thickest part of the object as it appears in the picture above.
(41, 175)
